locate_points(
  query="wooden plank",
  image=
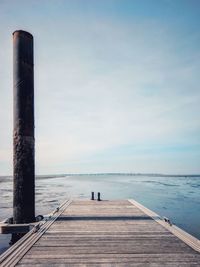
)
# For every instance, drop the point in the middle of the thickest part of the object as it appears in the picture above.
(112, 265)
(115, 260)
(14, 228)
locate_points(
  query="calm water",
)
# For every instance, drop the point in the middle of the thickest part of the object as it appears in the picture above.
(177, 198)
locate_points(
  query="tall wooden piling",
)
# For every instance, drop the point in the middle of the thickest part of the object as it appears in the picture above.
(23, 131)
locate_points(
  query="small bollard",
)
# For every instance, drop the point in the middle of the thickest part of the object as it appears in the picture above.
(98, 196)
(92, 195)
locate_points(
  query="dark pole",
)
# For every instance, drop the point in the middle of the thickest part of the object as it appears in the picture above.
(23, 132)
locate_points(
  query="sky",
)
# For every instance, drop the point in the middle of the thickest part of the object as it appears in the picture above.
(116, 84)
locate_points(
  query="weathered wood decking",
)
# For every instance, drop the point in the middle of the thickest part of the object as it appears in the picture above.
(104, 233)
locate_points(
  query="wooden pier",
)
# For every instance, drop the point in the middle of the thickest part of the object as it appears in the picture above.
(104, 233)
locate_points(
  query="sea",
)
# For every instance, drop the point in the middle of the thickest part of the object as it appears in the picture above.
(175, 197)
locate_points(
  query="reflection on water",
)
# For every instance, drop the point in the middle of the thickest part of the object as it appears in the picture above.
(177, 198)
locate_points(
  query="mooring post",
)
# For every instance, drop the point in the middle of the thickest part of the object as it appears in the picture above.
(98, 196)
(23, 130)
(92, 195)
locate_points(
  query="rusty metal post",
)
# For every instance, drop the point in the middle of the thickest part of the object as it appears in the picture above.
(23, 132)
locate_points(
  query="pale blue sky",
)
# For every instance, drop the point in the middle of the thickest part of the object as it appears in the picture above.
(116, 84)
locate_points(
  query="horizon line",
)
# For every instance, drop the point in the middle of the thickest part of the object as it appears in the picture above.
(113, 173)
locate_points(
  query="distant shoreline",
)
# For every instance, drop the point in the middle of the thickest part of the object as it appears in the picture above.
(110, 174)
